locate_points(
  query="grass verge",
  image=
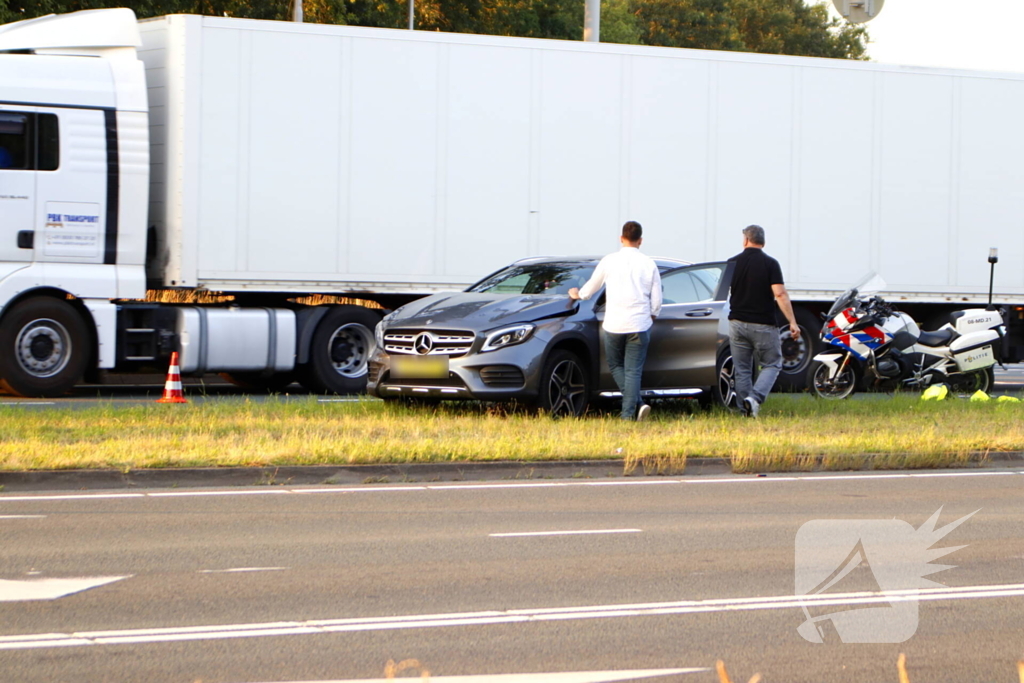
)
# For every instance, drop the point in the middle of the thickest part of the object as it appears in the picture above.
(794, 433)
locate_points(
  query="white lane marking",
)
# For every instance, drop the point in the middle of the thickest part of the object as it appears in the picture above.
(566, 677)
(26, 403)
(400, 488)
(256, 492)
(22, 516)
(50, 589)
(566, 533)
(74, 496)
(242, 569)
(364, 624)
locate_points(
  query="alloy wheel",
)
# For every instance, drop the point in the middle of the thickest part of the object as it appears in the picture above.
(567, 390)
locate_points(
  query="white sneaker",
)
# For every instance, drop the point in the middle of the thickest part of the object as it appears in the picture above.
(642, 414)
(751, 407)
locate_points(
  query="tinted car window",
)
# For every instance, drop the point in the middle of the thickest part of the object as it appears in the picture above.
(692, 284)
(543, 278)
(678, 288)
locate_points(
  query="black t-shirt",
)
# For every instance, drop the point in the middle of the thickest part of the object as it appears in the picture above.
(752, 299)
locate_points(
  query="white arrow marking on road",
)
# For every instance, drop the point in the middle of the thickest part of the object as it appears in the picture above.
(49, 589)
(568, 677)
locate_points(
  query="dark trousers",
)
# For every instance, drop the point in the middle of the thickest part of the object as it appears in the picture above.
(626, 354)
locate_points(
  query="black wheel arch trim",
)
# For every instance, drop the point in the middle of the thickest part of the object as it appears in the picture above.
(570, 340)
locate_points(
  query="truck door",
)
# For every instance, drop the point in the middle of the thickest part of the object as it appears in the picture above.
(72, 182)
(17, 185)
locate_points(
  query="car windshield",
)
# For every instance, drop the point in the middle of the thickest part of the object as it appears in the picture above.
(536, 278)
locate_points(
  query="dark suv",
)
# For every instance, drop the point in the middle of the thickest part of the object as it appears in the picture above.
(517, 335)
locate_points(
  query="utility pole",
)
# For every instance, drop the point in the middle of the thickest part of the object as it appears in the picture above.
(412, 14)
(591, 21)
(297, 11)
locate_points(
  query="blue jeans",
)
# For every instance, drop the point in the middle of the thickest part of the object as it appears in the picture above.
(753, 343)
(626, 354)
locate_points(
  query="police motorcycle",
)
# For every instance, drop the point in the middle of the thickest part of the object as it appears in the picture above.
(867, 338)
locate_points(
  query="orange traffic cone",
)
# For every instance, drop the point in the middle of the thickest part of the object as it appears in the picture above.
(172, 387)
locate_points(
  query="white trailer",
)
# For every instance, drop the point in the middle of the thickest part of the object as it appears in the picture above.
(272, 161)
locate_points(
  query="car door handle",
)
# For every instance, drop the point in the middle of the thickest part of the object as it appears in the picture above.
(699, 313)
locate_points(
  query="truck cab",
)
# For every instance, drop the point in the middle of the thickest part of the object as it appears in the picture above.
(74, 176)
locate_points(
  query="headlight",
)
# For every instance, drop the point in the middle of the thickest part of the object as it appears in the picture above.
(378, 335)
(506, 336)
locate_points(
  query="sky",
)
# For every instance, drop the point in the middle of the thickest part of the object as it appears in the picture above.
(962, 34)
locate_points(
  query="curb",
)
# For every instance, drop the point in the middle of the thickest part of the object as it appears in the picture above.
(347, 475)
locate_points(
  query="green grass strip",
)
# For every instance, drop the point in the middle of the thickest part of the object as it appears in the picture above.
(794, 433)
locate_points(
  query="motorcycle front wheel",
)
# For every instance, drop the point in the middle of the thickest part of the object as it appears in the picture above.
(840, 387)
(965, 384)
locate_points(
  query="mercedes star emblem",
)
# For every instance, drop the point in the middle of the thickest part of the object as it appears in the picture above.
(423, 344)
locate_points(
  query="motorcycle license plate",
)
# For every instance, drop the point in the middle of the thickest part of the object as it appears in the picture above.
(976, 359)
(417, 367)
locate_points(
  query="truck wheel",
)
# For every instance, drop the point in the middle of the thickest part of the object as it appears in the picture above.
(564, 385)
(797, 355)
(339, 352)
(44, 348)
(257, 382)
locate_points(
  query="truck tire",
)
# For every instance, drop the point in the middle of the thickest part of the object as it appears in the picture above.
(339, 351)
(797, 355)
(45, 347)
(564, 385)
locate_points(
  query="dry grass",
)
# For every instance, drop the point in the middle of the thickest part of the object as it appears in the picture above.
(794, 433)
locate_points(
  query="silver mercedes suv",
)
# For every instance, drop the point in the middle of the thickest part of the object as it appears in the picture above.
(516, 335)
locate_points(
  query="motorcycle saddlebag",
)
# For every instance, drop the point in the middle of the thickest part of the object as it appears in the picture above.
(974, 351)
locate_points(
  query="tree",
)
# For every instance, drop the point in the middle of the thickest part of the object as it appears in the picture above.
(772, 26)
(792, 27)
(701, 24)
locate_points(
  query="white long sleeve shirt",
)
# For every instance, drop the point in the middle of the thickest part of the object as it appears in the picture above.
(633, 286)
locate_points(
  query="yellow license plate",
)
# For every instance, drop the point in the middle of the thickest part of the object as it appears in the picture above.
(417, 367)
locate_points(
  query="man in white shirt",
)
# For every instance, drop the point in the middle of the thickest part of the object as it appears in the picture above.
(632, 302)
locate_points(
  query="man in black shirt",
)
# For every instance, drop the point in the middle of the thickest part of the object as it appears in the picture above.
(757, 287)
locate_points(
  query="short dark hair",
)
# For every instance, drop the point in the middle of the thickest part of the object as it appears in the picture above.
(754, 233)
(632, 231)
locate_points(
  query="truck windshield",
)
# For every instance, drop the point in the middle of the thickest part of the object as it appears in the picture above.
(539, 278)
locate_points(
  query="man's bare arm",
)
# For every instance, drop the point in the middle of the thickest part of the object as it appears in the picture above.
(782, 298)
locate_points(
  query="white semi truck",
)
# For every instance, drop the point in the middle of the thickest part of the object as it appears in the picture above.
(182, 156)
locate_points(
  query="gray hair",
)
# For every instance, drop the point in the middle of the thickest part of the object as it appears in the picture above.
(754, 233)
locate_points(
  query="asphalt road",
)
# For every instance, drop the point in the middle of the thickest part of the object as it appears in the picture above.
(303, 584)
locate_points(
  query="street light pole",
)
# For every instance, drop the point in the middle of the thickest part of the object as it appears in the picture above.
(297, 11)
(993, 259)
(412, 14)
(591, 21)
